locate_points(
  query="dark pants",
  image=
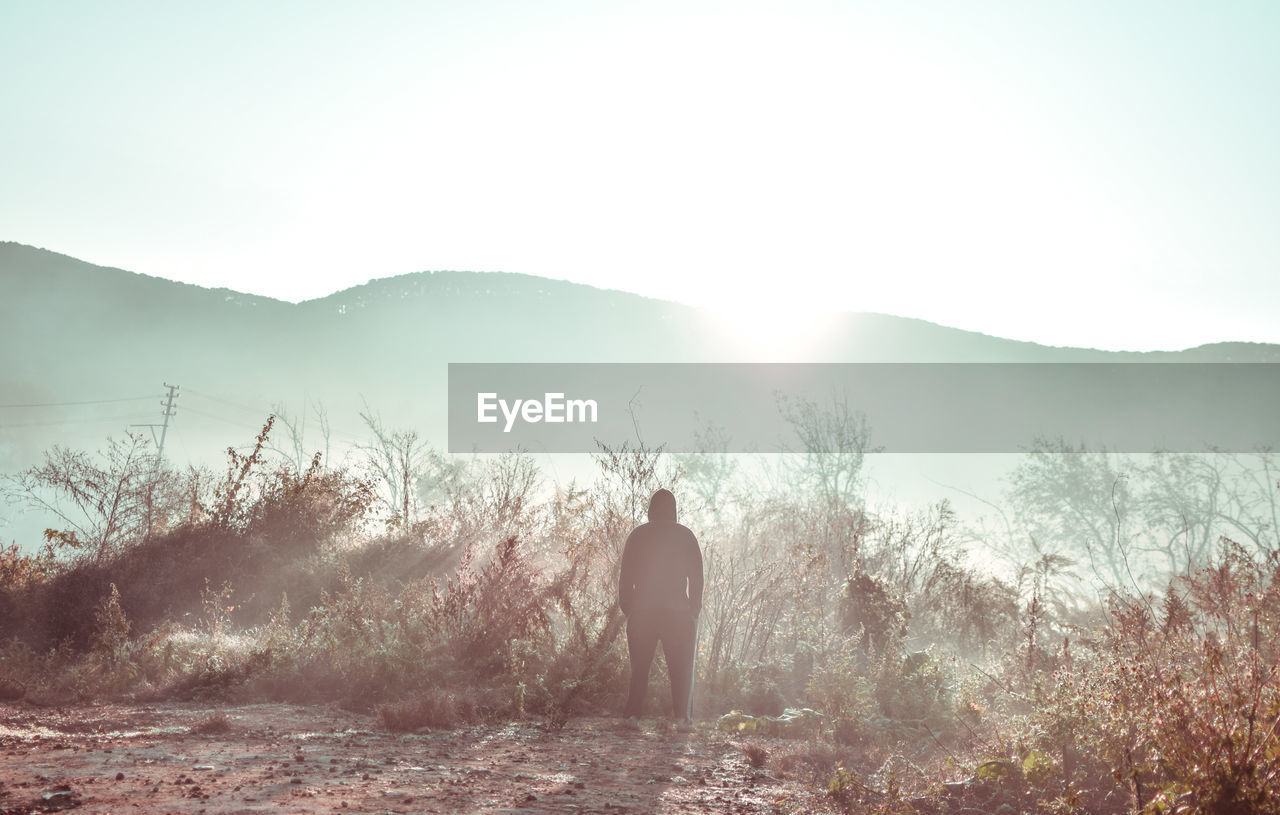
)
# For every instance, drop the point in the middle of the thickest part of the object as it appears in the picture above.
(677, 630)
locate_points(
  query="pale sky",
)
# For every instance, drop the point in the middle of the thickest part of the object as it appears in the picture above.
(1100, 174)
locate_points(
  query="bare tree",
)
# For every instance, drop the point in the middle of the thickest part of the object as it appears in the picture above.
(296, 447)
(1134, 519)
(106, 501)
(398, 458)
(509, 489)
(1072, 502)
(709, 472)
(1196, 498)
(835, 439)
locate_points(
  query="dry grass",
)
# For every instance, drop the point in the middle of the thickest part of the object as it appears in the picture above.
(428, 710)
(757, 754)
(212, 724)
(11, 690)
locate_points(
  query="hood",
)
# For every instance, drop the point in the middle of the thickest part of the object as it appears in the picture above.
(662, 506)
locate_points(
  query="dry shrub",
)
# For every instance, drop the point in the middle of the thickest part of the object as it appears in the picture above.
(433, 709)
(811, 760)
(20, 570)
(220, 674)
(11, 690)
(1179, 708)
(757, 754)
(482, 609)
(212, 724)
(587, 667)
(255, 531)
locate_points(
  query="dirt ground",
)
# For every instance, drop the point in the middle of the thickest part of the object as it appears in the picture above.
(287, 758)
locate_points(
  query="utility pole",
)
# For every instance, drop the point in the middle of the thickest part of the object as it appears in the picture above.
(168, 406)
(168, 412)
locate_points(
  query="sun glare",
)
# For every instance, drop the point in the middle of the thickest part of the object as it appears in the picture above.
(773, 334)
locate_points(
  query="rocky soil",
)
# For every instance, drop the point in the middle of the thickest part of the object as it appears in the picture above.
(286, 758)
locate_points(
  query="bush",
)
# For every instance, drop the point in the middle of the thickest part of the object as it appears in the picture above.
(213, 724)
(1179, 708)
(493, 604)
(431, 709)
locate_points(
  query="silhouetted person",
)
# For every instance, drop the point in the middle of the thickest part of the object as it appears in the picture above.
(660, 591)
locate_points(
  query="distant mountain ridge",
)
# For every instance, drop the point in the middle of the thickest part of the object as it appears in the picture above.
(71, 330)
(32, 279)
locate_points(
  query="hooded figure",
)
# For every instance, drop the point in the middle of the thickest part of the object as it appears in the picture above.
(660, 591)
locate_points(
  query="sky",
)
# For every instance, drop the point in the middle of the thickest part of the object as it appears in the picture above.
(1085, 173)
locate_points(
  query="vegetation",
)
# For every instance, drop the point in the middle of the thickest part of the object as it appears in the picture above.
(433, 592)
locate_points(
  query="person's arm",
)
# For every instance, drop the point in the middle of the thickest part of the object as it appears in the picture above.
(695, 578)
(626, 578)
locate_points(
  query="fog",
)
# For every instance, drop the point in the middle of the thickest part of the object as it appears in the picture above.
(871, 622)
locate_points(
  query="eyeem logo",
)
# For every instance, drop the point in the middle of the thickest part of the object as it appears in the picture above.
(552, 408)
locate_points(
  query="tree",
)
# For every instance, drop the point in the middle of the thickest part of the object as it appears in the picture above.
(836, 441)
(710, 471)
(296, 448)
(107, 501)
(398, 458)
(1134, 519)
(1067, 499)
(1197, 498)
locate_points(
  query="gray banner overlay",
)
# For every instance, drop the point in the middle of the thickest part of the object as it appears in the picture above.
(908, 407)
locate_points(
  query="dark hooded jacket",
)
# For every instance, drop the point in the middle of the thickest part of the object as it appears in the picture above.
(661, 563)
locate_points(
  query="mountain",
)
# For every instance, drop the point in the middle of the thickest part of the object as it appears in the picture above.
(84, 351)
(71, 331)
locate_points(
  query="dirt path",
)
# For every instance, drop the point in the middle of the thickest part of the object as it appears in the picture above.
(286, 758)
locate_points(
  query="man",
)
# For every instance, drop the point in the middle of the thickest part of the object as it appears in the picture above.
(660, 591)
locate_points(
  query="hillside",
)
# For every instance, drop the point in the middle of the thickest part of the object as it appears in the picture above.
(71, 331)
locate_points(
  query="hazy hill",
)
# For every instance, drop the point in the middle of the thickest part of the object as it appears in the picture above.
(72, 331)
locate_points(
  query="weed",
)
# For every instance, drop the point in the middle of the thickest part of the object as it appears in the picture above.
(436, 709)
(211, 724)
(757, 754)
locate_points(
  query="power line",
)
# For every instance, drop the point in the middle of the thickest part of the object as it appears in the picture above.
(86, 402)
(351, 437)
(237, 422)
(227, 402)
(59, 422)
(246, 424)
